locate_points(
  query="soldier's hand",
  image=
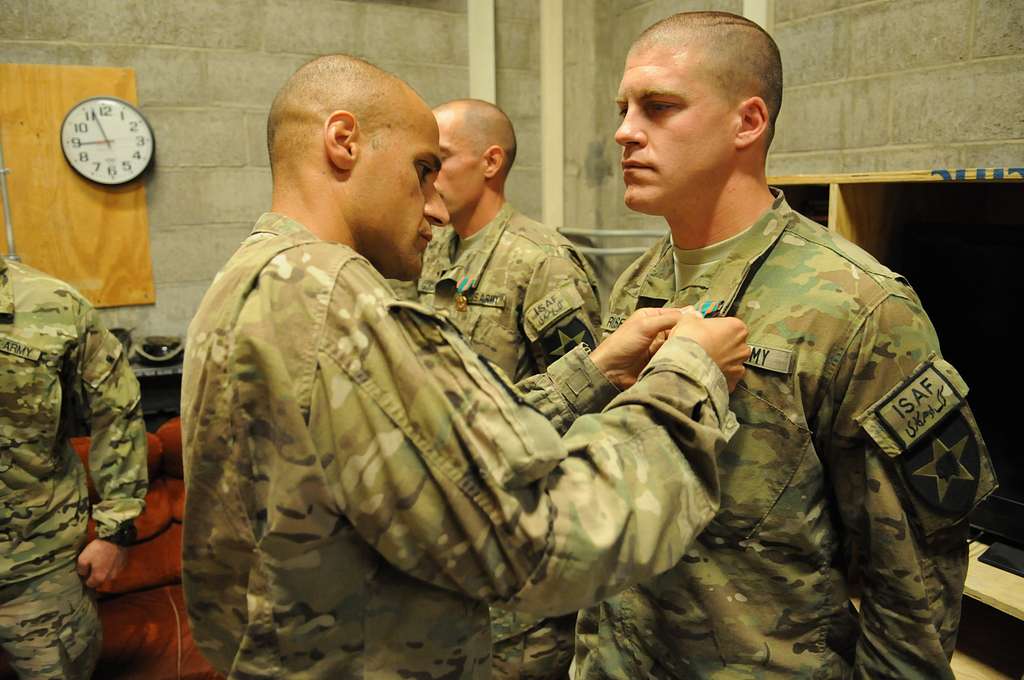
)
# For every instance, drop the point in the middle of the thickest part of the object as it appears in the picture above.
(624, 353)
(100, 562)
(724, 339)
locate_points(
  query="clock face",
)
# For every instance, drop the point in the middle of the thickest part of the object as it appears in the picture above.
(107, 140)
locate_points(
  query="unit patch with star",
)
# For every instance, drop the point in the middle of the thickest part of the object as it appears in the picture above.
(561, 339)
(924, 424)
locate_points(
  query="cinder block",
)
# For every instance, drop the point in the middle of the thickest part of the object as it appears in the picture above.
(194, 253)
(527, 142)
(12, 19)
(454, 6)
(180, 197)
(434, 82)
(524, 191)
(88, 21)
(517, 45)
(999, 28)
(977, 102)
(900, 35)
(812, 163)
(521, 10)
(401, 34)
(315, 26)
(249, 79)
(519, 93)
(1002, 155)
(814, 50)
(865, 112)
(198, 137)
(175, 306)
(892, 159)
(29, 53)
(787, 10)
(811, 119)
(256, 136)
(225, 24)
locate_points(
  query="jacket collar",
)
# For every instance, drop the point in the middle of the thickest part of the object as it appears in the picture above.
(722, 284)
(469, 267)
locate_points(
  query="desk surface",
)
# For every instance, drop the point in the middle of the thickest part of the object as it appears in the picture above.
(994, 587)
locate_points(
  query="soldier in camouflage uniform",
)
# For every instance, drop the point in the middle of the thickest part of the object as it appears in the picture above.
(857, 459)
(522, 296)
(53, 346)
(361, 484)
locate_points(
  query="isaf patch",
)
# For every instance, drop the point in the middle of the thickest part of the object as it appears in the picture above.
(561, 339)
(918, 405)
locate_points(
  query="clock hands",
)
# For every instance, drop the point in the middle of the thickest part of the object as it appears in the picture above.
(102, 131)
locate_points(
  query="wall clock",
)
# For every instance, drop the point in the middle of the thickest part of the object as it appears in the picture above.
(107, 140)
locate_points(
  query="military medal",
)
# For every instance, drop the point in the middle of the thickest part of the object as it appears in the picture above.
(460, 297)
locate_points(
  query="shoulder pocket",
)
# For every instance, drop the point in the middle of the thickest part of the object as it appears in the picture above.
(103, 359)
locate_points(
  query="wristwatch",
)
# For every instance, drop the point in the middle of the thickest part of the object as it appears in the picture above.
(123, 536)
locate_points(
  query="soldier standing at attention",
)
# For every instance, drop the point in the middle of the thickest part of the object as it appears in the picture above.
(522, 297)
(361, 485)
(517, 289)
(857, 458)
(53, 346)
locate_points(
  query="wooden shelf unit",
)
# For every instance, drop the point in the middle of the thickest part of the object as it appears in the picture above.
(870, 208)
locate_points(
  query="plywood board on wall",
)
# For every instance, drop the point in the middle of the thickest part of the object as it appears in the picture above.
(94, 237)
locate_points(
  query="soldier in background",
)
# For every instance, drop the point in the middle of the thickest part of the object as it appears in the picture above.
(521, 295)
(857, 458)
(517, 289)
(53, 346)
(360, 483)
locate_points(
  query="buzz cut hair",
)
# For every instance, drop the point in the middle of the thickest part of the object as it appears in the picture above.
(742, 57)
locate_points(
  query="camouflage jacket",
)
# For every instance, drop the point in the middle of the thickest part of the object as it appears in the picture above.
(53, 346)
(857, 460)
(521, 294)
(361, 484)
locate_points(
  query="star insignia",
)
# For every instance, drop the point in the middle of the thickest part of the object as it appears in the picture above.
(567, 342)
(945, 466)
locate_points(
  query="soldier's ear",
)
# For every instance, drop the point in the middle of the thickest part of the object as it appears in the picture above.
(494, 161)
(752, 117)
(342, 140)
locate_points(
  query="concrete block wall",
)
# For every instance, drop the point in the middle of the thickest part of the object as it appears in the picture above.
(206, 74)
(885, 85)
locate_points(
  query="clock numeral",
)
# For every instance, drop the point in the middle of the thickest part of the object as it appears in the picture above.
(76, 142)
(133, 125)
(106, 110)
(81, 127)
(112, 170)
(90, 115)
(137, 155)
(126, 166)
(84, 157)
(140, 141)
(97, 168)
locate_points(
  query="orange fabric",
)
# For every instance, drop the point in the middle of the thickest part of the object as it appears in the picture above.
(141, 635)
(170, 436)
(176, 491)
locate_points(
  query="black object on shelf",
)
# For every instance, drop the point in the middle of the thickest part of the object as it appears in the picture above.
(1005, 557)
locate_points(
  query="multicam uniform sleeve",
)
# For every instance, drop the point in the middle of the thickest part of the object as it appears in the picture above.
(907, 464)
(453, 479)
(560, 309)
(117, 454)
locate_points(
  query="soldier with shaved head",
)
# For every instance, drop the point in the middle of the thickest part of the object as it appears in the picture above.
(858, 458)
(523, 297)
(361, 484)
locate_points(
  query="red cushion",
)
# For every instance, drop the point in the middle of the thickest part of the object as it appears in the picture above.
(142, 635)
(170, 436)
(176, 491)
